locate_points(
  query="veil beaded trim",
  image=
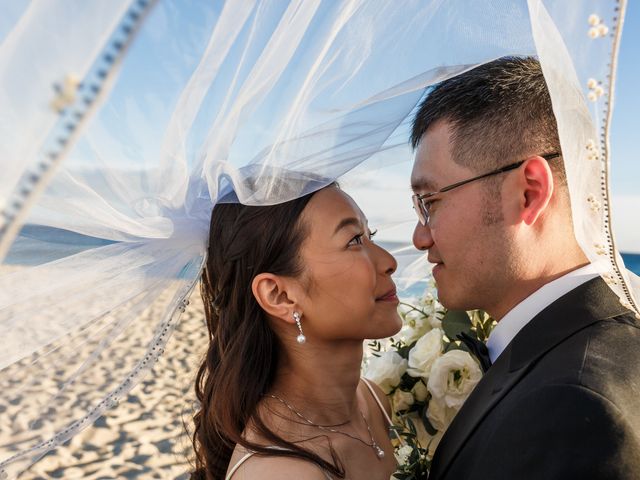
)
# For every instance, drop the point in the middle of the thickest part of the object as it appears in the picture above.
(104, 223)
(628, 299)
(73, 101)
(112, 399)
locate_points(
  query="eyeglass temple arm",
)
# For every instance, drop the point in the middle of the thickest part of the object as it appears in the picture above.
(513, 166)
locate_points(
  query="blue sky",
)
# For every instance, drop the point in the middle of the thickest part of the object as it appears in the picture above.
(625, 164)
(625, 177)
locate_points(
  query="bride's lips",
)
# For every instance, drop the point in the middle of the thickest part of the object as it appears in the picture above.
(390, 296)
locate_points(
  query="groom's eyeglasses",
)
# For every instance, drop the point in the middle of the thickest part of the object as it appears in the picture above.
(421, 204)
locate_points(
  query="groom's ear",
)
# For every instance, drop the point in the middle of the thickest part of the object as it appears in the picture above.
(273, 294)
(535, 184)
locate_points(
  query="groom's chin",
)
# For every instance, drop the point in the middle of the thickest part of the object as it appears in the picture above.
(451, 301)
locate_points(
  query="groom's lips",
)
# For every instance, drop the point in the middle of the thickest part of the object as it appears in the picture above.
(437, 265)
(431, 259)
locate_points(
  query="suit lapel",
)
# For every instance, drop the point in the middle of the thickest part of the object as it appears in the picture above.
(591, 302)
(495, 384)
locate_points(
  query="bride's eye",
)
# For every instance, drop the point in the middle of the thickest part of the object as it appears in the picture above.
(357, 240)
(372, 234)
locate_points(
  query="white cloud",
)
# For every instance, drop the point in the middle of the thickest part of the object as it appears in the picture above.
(626, 222)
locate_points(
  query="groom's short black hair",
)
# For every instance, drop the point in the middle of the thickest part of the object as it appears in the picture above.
(499, 113)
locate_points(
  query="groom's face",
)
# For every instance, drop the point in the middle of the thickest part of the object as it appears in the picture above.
(468, 252)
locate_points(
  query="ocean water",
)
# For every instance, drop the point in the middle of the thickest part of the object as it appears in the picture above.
(50, 244)
(632, 262)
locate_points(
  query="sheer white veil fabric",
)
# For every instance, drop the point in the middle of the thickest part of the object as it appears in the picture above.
(121, 132)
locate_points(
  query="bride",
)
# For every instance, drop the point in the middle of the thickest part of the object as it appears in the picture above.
(291, 291)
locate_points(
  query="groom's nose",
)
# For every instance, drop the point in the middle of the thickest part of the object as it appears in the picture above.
(422, 238)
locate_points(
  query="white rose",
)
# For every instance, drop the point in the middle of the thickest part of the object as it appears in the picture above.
(415, 326)
(412, 317)
(425, 352)
(403, 454)
(401, 400)
(386, 370)
(439, 415)
(427, 301)
(453, 376)
(420, 391)
(409, 335)
(431, 307)
(436, 320)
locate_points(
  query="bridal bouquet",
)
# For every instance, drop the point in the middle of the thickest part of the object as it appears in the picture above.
(427, 374)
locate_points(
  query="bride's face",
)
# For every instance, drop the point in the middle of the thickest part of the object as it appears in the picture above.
(349, 293)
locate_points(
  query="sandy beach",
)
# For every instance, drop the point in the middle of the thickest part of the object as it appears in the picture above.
(145, 436)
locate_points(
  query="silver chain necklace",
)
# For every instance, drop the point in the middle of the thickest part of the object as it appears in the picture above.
(379, 452)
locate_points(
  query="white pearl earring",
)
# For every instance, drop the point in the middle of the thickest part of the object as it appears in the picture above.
(300, 338)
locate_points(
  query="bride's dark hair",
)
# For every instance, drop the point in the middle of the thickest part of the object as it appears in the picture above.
(241, 361)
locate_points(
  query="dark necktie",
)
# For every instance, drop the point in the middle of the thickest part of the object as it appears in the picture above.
(477, 348)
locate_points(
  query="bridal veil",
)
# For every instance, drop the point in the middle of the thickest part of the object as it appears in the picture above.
(123, 122)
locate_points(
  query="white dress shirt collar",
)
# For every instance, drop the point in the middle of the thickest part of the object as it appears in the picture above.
(522, 313)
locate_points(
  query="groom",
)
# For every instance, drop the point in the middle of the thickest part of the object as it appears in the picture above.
(562, 398)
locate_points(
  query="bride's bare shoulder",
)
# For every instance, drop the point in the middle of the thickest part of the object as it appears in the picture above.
(276, 468)
(268, 467)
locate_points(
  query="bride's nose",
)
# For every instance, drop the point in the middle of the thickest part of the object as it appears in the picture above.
(387, 262)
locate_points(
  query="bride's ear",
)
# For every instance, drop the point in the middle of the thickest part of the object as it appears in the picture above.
(273, 296)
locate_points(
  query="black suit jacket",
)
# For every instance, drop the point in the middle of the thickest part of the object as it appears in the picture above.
(561, 402)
